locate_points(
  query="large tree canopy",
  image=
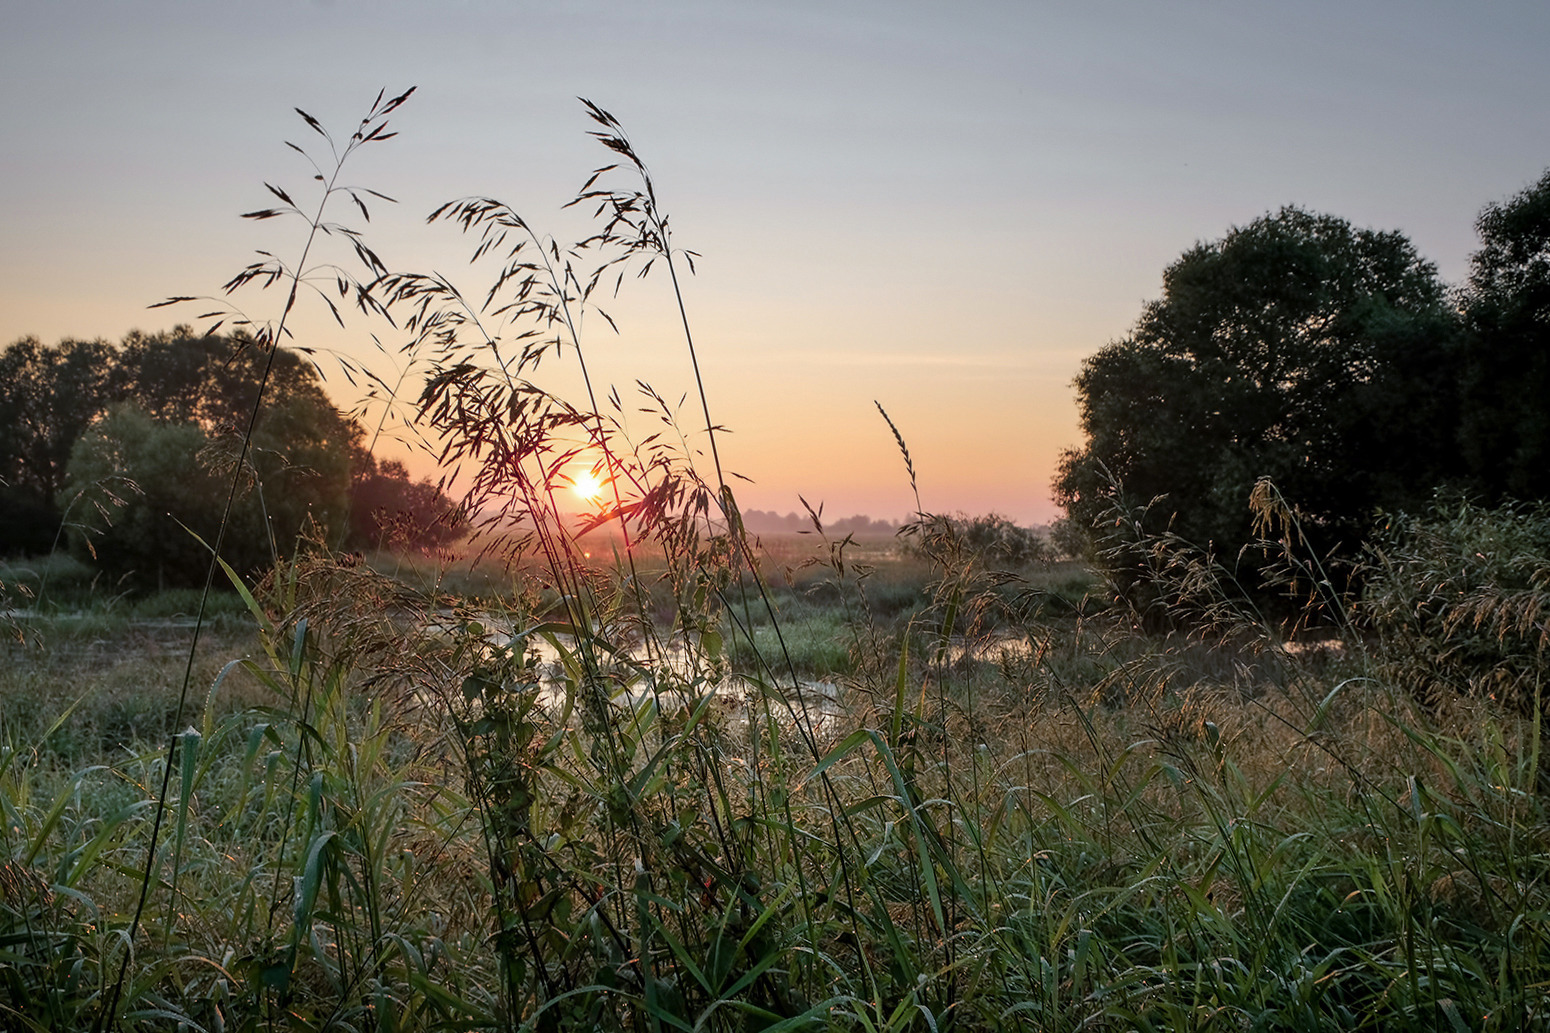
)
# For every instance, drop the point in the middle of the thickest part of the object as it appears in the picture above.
(1297, 348)
(124, 444)
(213, 381)
(1505, 431)
(138, 482)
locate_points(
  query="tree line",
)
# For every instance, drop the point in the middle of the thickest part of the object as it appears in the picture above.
(760, 521)
(129, 452)
(1332, 361)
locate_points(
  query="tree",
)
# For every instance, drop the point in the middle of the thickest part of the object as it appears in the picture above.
(389, 510)
(214, 381)
(1296, 348)
(48, 396)
(178, 444)
(131, 482)
(1505, 432)
(989, 538)
(136, 488)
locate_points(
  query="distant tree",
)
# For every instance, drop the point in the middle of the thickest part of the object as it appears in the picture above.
(989, 538)
(388, 510)
(761, 522)
(183, 434)
(48, 396)
(858, 524)
(769, 522)
(1505, 429)
(132, 481)
(1297, 348)
(1069, 539)
(214, 381)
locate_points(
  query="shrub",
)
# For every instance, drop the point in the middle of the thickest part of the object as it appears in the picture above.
(991, 539)
(1458, 601)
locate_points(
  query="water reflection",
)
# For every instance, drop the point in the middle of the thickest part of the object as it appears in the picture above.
(675, 675)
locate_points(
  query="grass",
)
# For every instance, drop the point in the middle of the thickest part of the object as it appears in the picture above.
(1195, 852)
(402, 795)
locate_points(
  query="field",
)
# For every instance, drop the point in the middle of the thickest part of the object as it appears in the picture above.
(395, 806)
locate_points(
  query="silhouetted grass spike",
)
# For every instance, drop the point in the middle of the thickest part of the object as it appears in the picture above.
(266, 273)
(904, 450)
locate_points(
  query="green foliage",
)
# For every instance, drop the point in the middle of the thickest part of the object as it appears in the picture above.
(131, 482)
(53, 398)
(817, 642)
(1296, 348)
(376, 845)
(139, 491)
(1505, 429)
(52, 579)
(1458, 602)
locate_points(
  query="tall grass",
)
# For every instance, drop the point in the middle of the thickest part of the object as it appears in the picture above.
(610, 795)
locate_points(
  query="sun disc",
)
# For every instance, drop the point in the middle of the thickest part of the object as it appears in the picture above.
(587, 486)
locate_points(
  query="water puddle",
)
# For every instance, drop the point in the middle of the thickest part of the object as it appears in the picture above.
(675, 676)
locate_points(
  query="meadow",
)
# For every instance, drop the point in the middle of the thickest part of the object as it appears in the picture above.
(697, 780)
(1076, 825)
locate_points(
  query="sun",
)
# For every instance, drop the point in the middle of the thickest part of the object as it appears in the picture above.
(587, 485)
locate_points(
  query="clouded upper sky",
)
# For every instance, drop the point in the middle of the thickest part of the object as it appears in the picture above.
(939, 206)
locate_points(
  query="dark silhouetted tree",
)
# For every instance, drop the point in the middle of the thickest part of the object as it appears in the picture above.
(132, 481)
(388, 510)
(48, 396)
(182, 432)
(181, 377)
(1296, 348)
(1505, 429)
(138, 486)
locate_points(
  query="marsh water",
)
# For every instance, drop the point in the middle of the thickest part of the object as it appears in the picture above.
(673, 674)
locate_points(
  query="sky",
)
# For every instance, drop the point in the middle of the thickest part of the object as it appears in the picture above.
(939, 207)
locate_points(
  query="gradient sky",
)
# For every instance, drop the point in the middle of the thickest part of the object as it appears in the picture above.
(940, 206)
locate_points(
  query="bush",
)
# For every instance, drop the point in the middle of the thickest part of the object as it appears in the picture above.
(1458, 601)
(27, 582)
(991, 539)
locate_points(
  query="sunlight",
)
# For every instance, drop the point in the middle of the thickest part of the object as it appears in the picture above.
(587, 485)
